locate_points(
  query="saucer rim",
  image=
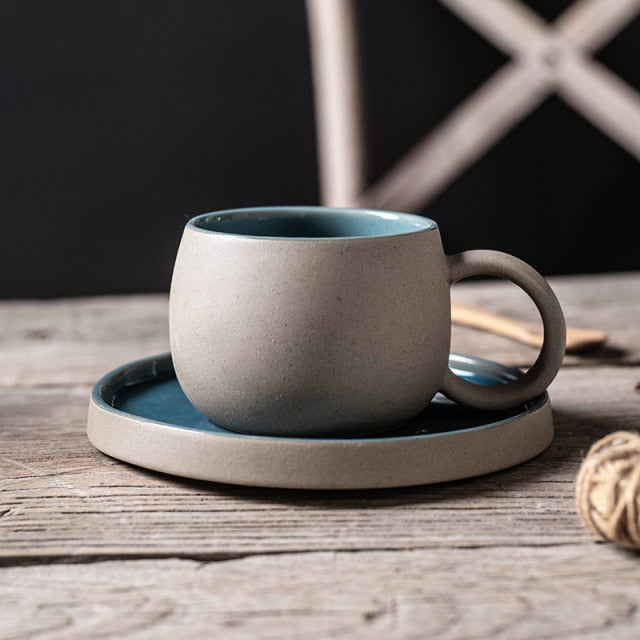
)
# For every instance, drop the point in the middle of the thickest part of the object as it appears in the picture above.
(310, 463)
(504, 371)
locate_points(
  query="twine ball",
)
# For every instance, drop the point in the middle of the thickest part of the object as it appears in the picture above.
(608, 489)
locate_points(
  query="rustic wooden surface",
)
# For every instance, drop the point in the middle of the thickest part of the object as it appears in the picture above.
(94, 548)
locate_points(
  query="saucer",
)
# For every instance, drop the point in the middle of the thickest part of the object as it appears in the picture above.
(139, 414)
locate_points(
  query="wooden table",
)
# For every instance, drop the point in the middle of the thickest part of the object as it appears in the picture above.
(91, 547)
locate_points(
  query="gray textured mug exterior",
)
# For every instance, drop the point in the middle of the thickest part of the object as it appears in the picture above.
(337, 335)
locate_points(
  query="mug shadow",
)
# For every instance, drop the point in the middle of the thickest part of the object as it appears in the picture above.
(464, 490)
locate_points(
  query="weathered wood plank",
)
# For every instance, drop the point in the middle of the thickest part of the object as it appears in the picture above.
(69, 341)
(501, 593)
(60, 498)
(90, 547)
(77, 341)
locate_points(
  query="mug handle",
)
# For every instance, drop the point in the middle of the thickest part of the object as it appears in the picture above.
(539, 376)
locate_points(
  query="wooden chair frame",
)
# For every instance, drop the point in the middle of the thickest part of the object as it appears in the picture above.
(545, 58)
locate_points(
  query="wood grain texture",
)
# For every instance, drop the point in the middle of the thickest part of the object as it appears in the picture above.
(501, 593)
(69, 341)
(61, 498)
(91, 547)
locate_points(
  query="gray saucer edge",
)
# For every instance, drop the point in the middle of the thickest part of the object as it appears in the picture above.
(292, 463)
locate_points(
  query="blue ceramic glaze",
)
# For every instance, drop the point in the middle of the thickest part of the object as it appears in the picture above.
(148, 389)
(310, 222)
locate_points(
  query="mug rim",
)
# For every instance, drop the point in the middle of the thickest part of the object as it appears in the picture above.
(412, 223)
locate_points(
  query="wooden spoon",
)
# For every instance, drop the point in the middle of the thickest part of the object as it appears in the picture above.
(577, 339)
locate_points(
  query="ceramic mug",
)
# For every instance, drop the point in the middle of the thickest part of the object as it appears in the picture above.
(323, 322)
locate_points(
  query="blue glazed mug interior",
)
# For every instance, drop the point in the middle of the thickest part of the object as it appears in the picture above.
(310, 222)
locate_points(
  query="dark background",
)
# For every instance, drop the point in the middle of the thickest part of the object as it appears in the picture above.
(119, 120)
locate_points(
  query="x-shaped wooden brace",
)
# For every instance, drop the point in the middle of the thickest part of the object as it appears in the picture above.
(545, 58)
